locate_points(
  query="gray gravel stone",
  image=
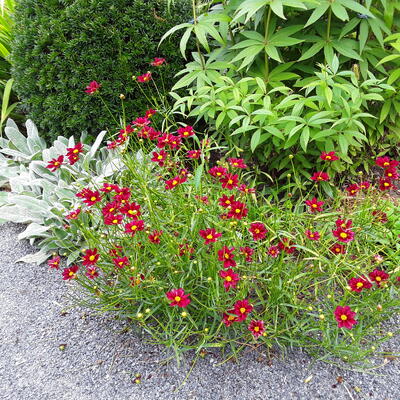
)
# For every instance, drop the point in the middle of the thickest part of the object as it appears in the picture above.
(101, 357)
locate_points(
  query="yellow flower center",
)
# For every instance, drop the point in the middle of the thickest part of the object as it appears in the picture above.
(75, 151)
(70, 273)
(209, 236)
(91, 258)
(93, 198)
(134, 227)
(378, 278)
(228, 278)
(386, 184)
(242, 310)
(389, 174)
(343, 235)
(132, 212)
(174, 182)
(343, 317)
(115, 221)
(56, 163)
(311, 235)
(160, 157)
(226, 255)
(231, 318)
(112, 209)
(314, 205)
(120, 263)
(230, 181)
(328, 157)
(177, 298)
(237, 211)
(256, 329)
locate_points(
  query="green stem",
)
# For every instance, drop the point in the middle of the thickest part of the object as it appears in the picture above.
(267, 18)
(328, 29)
(203, 65)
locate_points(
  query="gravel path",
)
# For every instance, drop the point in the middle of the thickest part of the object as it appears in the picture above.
(101, 357)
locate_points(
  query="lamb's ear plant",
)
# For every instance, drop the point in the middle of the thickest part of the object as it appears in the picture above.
(35, 196)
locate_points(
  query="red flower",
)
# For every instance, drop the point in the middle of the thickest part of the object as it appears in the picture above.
(91, 197)
(313, 235)
(338, 248)
(178, 298)
(147, 132)
(218, 172)
(111, 208)
(329, 156)
(73, 214)
(134, 226)
(70, 273)
(226, 255)
(150, 112)
(385, 184)
(54, 262)
(237, 210)
(166, 139)
(111, 219)
(378, 276)
(258, 230)
(344, 224)
(157, 62)
(286, 245)
(237, 162)
(171, 183)
(229, 181)
(144, 78)
(131, 210)
(226, 201)
(185, 249)
(273, 251)
(154, 237)
(229, 319)
(55, 163)
(74, 151)
(92, 272)
(358, 284)
(203, 199)
(256, 328)
(314, 204)
(391, 173)
(121, 262)
(380, 216)
(345, 317)
(209, 235)
(242, 308)
(386, 162)
(159, 157)
(230, 279)
(243, 188)
(185, 132)
(93, 87)
(108, 187)
(122, 194)
(90, 257)
(343, 235)
(194, 154)
(320, 176)
(141, 122)
(365, 185)
(247, 252)
(353, 189)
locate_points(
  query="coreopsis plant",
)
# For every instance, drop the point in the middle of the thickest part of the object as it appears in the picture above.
(188, 249)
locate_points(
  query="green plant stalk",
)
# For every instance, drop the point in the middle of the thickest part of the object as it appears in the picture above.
(328, 28)
(203, 64)
(267, 18)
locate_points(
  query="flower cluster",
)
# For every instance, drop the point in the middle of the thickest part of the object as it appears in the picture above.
(73, 154)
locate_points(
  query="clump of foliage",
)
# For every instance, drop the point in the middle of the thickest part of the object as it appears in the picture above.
(35, 196)
(198, 259)
(61, 46)
(273, 78)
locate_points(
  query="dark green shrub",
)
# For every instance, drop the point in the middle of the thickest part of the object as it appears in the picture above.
(60, 46)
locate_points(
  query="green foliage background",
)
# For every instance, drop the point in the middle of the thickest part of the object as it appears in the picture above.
(60, 46)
